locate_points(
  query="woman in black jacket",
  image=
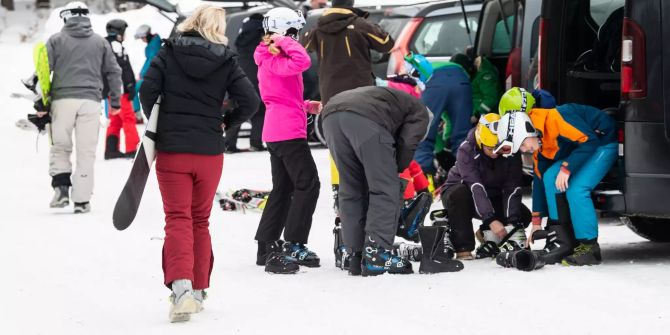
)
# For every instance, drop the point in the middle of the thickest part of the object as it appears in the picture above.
(193, 72)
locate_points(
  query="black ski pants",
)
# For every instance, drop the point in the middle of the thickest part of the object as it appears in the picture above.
(369, 193)
(295, 191)
(256, 131)
(458, 202)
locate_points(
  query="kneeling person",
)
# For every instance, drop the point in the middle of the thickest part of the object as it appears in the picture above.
(372, 133)
(485, 186)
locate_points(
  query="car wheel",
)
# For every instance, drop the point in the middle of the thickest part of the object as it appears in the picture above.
(653, 229)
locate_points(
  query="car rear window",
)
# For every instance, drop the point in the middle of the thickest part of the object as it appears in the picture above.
(444, 35)
(394, 25)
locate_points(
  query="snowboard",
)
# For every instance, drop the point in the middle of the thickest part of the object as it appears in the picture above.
(128, 203)
(243, 199)
(42, 71)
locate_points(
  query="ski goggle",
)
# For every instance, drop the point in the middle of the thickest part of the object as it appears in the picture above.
(68, 13)
(504, 148)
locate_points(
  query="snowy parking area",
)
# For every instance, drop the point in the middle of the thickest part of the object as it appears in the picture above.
(75, 274)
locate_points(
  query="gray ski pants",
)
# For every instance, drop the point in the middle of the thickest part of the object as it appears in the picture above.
(369, 193)
(83, 117)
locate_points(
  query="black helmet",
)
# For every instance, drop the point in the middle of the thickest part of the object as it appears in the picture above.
(116, 27)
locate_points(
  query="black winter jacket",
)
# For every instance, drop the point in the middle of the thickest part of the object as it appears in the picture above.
(193, 76)
(403, 115)
(127, 74)
(488, 178)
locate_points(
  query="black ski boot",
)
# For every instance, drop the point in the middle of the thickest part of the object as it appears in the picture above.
(438, 251)
(278, 262)
(61, 197)
(112, 148)
(560, 238)
(82, 207)
(377, 261)
(341, 257)
(264, 249)
(301, 254)
(507, 254)
(355, 260)
(412, 215)
(586, 253)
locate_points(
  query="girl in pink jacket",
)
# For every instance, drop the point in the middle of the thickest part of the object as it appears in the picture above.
(295, 181)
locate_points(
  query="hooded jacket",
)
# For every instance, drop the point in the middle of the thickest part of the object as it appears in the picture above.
(193, 76)
(342, 41)
(79, 59)
(280, 84)
(250, 35)
(486, 89)
(150, 51)
(403, 115)
(487, 178)
(571, 133)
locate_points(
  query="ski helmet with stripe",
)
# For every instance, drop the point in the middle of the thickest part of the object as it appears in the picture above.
(74, 8)
(516, 99)
(283, 21)
(513, 128)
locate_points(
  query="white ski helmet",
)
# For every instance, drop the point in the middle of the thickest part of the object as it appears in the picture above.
(74, 8)
(281, 20)
(513, 128)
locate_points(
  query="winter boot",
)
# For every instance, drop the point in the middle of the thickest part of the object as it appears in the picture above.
(278, 261)
(527, 260)
(183, 303)
(377, 260)
(200, 297)
(112, 148)
(355, 260)
(264, 250)
(560, 238)
(412, 216)
(130, 155)
(438, 251)
(82, 207)
(586, 253)
(411, 252)
(301, 254)
(61, 197)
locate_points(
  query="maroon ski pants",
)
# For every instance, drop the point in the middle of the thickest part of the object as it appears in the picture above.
(188, 183)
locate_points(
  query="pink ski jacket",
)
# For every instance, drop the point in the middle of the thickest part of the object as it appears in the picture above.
(280, 84)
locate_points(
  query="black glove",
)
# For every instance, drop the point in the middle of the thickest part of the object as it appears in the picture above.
(130, 89)
(39, 122)
(40, 106)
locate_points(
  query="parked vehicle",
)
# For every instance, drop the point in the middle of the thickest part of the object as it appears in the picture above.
(593, 52)
(436, 30)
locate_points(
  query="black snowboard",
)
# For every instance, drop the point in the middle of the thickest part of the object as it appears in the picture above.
(128, 203)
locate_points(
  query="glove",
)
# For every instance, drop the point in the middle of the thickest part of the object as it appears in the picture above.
(130, 89)
(39, 122)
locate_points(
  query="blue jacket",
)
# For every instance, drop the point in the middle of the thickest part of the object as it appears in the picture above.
(571, 133)
(150, 52)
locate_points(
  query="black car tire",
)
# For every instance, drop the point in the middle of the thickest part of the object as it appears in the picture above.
(653, 229)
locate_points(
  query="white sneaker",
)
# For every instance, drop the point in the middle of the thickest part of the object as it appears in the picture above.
(200, 297)
(183, 303)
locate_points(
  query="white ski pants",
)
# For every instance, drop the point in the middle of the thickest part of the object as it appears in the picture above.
(83, 117)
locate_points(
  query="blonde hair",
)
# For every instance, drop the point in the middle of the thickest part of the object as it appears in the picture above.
(209, 21)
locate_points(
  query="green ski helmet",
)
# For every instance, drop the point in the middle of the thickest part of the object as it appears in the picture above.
(516, 99)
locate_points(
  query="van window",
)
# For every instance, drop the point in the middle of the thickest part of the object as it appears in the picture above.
(443, 36)
(502, 41)
(601, 9)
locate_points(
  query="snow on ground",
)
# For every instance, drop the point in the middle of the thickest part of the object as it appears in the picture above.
(75, 274)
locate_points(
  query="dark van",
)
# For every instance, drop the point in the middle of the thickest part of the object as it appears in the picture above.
(611, 54)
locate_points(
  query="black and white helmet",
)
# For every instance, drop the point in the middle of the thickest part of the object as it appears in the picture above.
(513, 128)
(283, 21)
(74, 8)
(116, 27)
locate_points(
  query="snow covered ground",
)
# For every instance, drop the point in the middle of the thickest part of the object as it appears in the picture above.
(75, 274)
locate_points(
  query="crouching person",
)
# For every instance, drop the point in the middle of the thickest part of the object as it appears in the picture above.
(372, 133)
(574, 147)
(485, 186)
